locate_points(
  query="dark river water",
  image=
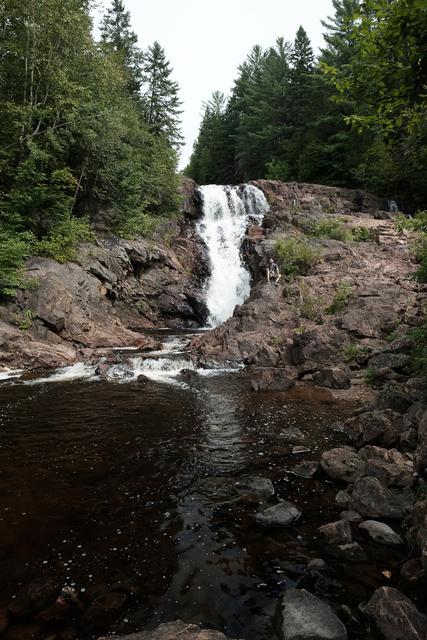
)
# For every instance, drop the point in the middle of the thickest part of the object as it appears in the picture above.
(128, 493)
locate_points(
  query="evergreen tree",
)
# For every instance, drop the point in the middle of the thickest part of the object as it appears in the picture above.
(116, 32)
(161, 100)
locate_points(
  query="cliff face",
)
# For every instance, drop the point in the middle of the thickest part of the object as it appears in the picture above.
(114, 290)
(334, 318)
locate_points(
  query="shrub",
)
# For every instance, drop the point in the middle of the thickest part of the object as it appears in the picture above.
(334, 228)
(296, 256)
(14, 250)
(363, 234)
(340, 299)
(61, 243)
(418, 338)
(25, 320)
(311, 306)
(139, 224)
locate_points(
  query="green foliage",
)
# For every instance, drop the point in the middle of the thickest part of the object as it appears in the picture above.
(140, 224)
(364, 234)
(418, 338)
(371, 377)
(296, 256)
(340, 299)
(61, 243)
(310, 305)
(25, 320)
(334, 228)
(352, 352)
(84, 129)
(14, 250)
(417, 224)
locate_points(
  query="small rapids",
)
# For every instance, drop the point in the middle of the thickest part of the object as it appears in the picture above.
(227, 213)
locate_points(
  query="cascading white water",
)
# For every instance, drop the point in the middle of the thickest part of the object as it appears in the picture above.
(227, 213)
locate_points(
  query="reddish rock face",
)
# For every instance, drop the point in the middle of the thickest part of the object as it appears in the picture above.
(173, 631)
(394, 614)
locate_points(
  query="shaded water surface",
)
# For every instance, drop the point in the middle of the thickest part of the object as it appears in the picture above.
(131, 489)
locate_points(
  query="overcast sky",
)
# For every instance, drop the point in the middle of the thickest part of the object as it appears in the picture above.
(206, 40)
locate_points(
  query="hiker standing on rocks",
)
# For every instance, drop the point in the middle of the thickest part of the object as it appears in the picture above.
(273, 272)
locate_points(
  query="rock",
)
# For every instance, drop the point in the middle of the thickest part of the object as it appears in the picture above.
(351, 516)
(300, 449)
(371, 498)
(374, 427)
(388, 465)
(272, 378)
(421, 453)
(143, 379)
(173, 631)
(395, 616)
(23, 632)
(189, 374)
(342, 464)
(255, 489)
(283, 514)
(306, 469)
(412, 570)
(333, 378)
(336, 532)
(34, 597)
(305, 617)
(317, 564)
(3, 620)
(380, 532)
(350, 552)
(342, 499)
(396, 361)
(190, 198)
(293, 434)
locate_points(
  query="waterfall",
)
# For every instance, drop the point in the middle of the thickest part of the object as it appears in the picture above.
(227, 212)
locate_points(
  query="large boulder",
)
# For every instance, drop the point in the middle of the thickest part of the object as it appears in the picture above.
(380, 532)
(421, 452)
(374, 427)
(305, 617)
(333, 378)
(372, 499)
(336, 532)
(342, 464)
(388, 465)
(173, 631)
(395, 616)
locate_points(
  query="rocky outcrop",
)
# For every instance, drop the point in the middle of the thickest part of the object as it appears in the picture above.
(330, 323)
(106, 298)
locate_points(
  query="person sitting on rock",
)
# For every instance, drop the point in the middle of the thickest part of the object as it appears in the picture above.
(273, 272)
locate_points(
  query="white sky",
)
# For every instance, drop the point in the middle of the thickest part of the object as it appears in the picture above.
(206, 40)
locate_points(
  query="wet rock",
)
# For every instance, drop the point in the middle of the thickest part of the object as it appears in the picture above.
(412, 570)
(306, 469)
(300, 449)
(342, 499)
(374, 427)
(189, 374)
(380, 532)
(395, 616)
(3, 620)
(272, 378)
(349, 552)
(255, 489)
(371, 498)
(143, 379)
(342, 464)
(333, 378)
(24, 632)
(34, 597)
(190, 198)
(351, 516)
(173, 631)
(283, 514)
(293, 434)
(336, 532)
(390, 466)
(317, 564)
(305, 617)
(417, 534)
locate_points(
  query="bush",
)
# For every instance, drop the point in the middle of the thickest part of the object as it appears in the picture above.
(418, 338)
(14, 250)
(139, 224)
(61, 243)
(296, 256)
(363, 234)
(340, 299)
(334, 228)
(351, 352)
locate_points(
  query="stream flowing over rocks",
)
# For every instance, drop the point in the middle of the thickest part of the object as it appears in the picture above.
(188, 451)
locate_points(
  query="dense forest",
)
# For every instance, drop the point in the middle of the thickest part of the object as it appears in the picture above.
(89, 130)
(354, 117)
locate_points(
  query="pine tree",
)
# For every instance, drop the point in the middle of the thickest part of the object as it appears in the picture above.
(116, 32)
(161, 100)
(340, 44)
(302, 56)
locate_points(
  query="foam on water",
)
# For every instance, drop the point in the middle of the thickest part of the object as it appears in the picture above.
(227, 213)
(78, 371)
(8, 374)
